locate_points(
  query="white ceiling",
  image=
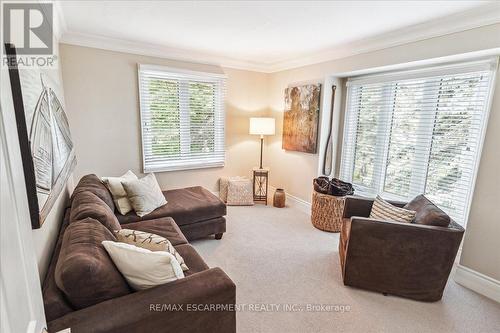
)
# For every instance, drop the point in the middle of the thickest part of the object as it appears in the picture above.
(264, 34)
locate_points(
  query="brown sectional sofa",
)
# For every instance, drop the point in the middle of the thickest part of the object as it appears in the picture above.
(85, 291)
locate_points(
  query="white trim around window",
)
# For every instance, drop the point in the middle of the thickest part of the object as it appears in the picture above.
(182, 118)
(418, 131)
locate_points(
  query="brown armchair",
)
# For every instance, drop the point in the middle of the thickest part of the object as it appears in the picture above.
(404, 259)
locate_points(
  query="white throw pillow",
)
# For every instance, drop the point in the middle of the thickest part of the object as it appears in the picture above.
(240, 192)
(114, 185)
(142, 268)
(144, 194)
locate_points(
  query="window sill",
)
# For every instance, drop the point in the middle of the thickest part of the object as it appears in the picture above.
(149, 169)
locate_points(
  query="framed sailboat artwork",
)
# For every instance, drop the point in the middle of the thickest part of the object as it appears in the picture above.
(46, 146)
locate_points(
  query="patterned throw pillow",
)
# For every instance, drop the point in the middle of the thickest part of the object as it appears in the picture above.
(382, 210)
(224, 186)
(240, 193)
(150, 242)
(144, 194)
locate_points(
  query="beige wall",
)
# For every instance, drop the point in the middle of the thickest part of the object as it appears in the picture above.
(481, 248)
(295, 171)
(101, 92)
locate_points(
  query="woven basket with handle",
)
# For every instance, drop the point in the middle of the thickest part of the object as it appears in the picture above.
(327, 211)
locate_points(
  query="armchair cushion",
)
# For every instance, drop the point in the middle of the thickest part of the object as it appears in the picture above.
(427, 212)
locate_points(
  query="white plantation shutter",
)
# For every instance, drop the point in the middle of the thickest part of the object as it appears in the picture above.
(182, 118)
(418, 132)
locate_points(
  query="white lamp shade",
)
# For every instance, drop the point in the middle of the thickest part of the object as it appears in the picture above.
(262, 126)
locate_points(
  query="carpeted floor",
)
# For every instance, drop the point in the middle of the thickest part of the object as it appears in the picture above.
(275, 256)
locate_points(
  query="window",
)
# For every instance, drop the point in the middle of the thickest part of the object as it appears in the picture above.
(418, 132)
(182, 117)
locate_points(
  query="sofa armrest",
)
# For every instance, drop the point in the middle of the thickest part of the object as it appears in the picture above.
(397, 258)
(357, 206)
(168, 307)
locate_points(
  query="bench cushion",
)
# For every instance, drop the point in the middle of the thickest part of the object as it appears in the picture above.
(185, 206)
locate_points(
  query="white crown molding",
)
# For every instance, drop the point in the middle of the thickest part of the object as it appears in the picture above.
(474, 18)
(154, 50)
(60, 26)
(478, 282)
(471, 19)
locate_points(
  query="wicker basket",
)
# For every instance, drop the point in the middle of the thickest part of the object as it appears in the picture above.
(327, 212)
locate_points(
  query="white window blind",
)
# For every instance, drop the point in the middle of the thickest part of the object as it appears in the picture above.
(182, 119)
(418, 132)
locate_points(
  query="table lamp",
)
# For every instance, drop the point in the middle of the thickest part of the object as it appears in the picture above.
(262, 126)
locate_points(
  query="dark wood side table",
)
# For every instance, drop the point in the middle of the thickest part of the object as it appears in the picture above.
(260, 184)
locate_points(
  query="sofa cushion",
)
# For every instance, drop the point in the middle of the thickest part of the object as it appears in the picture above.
(87, 204)
(93, 184)
(427, 212)
(84, 271)
(165, 227)
(185, 206)
(192, 259)
(54, 302)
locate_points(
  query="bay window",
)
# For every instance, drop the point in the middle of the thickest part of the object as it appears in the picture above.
(417, 132)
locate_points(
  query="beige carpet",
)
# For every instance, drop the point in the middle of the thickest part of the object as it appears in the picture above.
(275, 256)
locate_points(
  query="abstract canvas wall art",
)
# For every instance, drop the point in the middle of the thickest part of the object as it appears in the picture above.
(300, 119)
(47, 150)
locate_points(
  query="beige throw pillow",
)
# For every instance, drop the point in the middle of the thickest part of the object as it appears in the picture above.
(144, 194)
(224, 185)
(142, 268)
(240, 192)
(114, 185)
(383, 210)
(152, 242)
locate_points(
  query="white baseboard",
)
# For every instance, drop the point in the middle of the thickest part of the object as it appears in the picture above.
(292, 201)
(478, 282)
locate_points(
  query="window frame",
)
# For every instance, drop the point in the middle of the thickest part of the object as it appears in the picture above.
(347, 163)
(185, 76)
